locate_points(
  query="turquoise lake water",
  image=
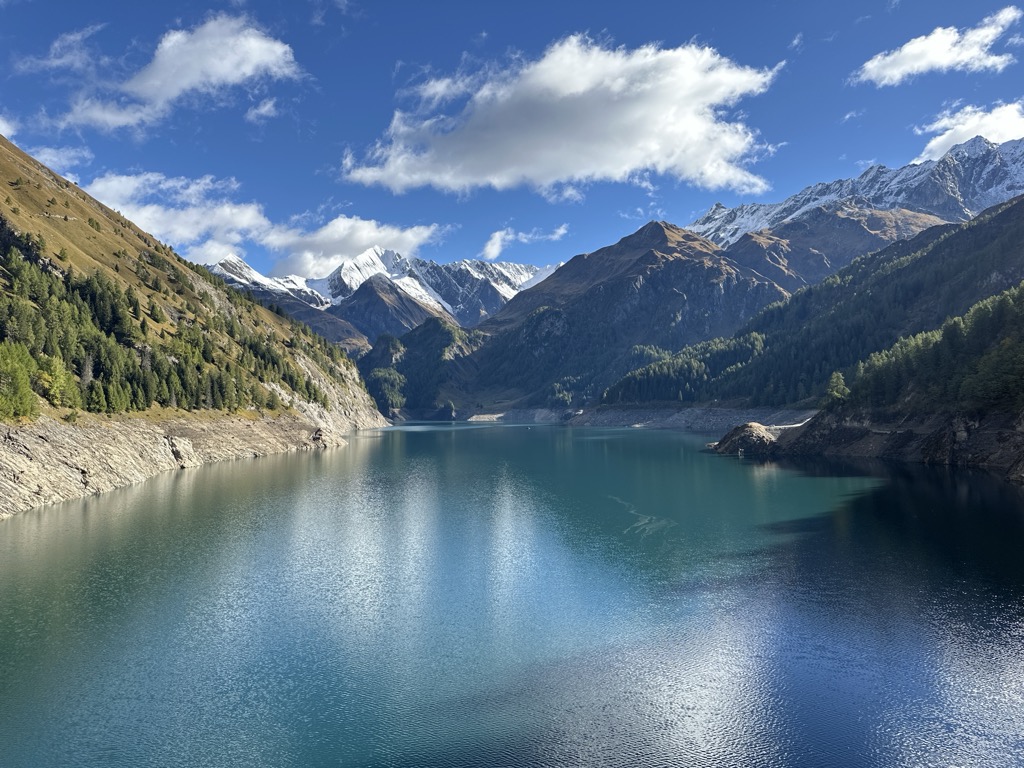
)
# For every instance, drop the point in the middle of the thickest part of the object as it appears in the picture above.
(514, 596)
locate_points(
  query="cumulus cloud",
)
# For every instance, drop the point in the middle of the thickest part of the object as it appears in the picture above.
(582, 112)
(502, 238)
(943, 50)
(8, 126)
(201, 218)
(222, 53)
(318, 252)
(1003, 122)
(184, 212)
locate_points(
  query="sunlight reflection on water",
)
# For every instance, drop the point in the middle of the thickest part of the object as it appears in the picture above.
(487, 595)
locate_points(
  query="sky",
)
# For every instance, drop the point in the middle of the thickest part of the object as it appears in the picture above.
(297, 134)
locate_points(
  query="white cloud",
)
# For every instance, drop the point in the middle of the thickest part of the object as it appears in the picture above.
(184, 212)
(262, 112)
(201, 218)
(942, 50)
(498, 241)
(68, 51)
(8, 126)
(797, 43)
(851, 115)
(62, 159)
(581, 113)
(222, 53)
(318, 252)
(1003, 122)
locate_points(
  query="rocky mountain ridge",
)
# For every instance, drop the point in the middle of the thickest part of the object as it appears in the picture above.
(467, 291)
(562, 340)
(379, 306)
(969, 178)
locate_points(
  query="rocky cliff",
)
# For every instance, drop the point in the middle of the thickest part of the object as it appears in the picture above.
(994, 442)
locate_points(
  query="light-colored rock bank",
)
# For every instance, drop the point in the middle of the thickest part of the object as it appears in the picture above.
(49, 460)
(707, 420)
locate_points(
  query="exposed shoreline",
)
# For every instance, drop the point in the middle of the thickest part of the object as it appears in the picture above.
(705, 420)
(994, 443)
(48, 460)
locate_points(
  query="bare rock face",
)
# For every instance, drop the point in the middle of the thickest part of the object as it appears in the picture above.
(994, 442)
(183, 452)
(750, 439)
(50, 461)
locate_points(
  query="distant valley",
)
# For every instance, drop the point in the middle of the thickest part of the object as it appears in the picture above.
(785, 304)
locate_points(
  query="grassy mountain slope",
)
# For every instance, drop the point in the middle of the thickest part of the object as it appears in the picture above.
(822, 241)
(97, 315)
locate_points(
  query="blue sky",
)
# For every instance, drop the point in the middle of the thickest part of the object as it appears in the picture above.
(296, 134)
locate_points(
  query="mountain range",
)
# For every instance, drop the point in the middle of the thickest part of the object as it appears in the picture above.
(787, 353)
(564, 334)
(355, 310)
(562, 341)
(969, 178)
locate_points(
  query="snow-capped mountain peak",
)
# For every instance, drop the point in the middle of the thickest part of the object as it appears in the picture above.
(235, 270)
(469, 290)
(969, 178)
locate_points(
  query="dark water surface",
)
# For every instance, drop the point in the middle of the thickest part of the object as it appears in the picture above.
(512, 596)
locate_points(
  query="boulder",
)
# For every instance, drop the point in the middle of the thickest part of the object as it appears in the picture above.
(750, 439)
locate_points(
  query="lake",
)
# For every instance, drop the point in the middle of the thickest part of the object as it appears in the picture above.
(489, 595)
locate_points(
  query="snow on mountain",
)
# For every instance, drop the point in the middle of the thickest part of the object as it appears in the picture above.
(969, 178)
(236, 271)
(541, 275)
(353, 272)
(469, 290)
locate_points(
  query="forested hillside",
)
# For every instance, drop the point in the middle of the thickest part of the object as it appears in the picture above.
(97, 316)
(972, 364)
(790, 350)
(414, 372)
